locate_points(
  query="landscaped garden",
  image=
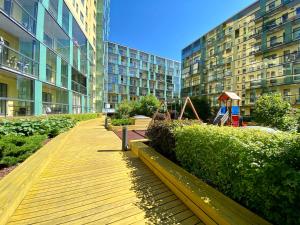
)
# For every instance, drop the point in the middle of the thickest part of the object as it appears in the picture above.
(257, 168)
(20, 138)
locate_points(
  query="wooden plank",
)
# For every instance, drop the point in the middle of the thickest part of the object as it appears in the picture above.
(207, 203)
(94, 182)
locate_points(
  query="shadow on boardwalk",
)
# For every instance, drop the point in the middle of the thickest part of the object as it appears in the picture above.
(158, 202)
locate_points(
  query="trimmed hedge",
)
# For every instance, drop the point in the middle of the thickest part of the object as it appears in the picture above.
(15, 149)
(258, 169)
(161, 134)
(122, 122)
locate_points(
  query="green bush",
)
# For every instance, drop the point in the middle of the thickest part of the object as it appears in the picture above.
(161, 134)
(15, 149)
(272, 110)
(146, 105)
(80, 117)
(256, 168)
(121, 122)
(51, 126)
(125, 108)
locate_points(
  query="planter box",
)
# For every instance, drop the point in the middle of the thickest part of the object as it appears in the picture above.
(211, 206)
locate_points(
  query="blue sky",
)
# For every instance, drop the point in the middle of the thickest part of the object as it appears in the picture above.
(165, 27)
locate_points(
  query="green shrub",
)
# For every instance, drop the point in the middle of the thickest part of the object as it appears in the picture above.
(256, 168)
(121, 122)
(124, 109)
(161, 134)
(81, 117)
(272, 110)
(146, 105)
(15, 149)
(51, 126)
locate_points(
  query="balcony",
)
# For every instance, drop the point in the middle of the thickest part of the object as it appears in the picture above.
(55, 108)
(78, 87)
(255, 83)
(18, 13)
(15, 61)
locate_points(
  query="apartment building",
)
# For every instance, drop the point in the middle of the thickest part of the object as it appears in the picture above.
(133, 73)
(253, 52)
(48, 52)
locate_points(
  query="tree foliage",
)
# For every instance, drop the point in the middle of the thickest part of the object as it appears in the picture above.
(146, 105)
(272, 110)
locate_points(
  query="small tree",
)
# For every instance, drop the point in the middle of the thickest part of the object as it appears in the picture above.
(124, 110)
(148, 105)
(272, 110)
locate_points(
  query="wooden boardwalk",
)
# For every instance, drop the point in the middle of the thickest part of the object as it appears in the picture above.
(92, 182)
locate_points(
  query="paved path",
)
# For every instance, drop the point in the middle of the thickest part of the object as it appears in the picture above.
(92, 181)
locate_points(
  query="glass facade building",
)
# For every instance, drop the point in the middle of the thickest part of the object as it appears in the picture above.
(255, 51)
(48, 55)
(133, 73)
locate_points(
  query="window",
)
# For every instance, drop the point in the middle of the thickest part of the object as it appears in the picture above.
(81, 17)
(273, 41)
(298, 11)
(237, 33)
(65, 18)
(271, 5)
(296, 33)
(285, 17)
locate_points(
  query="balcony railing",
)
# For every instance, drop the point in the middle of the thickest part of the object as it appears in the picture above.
(15, 10)
(78, 87)
(55, 108)
(16, 61)
(16, 107)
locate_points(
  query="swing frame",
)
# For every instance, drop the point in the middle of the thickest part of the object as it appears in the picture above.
(189, 101)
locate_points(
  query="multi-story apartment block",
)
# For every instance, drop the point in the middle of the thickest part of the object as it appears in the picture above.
(133, 73)
(255, 51)
(48, 55)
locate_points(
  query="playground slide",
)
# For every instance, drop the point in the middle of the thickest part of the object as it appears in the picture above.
(222, 116)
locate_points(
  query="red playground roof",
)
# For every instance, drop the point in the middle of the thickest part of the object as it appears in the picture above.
(228, 95)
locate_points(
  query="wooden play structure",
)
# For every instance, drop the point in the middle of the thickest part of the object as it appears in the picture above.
(229, 113)
(188, 102)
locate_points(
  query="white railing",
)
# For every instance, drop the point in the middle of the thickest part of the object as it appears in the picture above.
(225, 118)
(219, 113)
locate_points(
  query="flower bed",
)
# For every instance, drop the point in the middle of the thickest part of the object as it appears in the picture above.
(258, 169)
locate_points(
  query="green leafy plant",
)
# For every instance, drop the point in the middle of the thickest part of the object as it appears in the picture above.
(51, 126)
(258, 169)
(161, 134)
(272, 110)
(121, 122)
(147, 105)
(124, 110)
(15, 149)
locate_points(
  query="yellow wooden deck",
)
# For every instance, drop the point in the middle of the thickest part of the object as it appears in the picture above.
(91, 181)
